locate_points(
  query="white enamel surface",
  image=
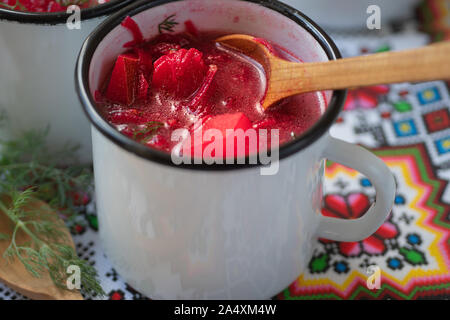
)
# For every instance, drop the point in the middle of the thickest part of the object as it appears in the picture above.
(382, 179)
(37, 81)
(183, 234)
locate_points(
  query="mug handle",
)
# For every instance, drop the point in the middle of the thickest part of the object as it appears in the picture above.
(377, 172)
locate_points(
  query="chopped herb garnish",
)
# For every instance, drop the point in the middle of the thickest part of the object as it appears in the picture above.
(168, 24)
(151, 128)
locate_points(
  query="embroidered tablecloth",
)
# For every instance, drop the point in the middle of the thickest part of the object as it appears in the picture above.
(406, 125)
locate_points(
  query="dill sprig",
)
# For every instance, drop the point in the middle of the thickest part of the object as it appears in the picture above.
(168, 24)
(47, 250)
(26, 163)
(151, 128)
(29, 172)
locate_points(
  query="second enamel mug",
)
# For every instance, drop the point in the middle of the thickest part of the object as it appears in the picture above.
(38, 52)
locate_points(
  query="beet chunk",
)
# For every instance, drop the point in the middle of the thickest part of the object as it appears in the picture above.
(145, 63)
(123, 83)
(142, 88)
(131, 25)
(202, 91)
(165, 44)
(223, 122)
(180, 73)
(191, 28)
(163, 48)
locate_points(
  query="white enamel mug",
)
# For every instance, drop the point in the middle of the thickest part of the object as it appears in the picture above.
(38, 53)
(220, 231)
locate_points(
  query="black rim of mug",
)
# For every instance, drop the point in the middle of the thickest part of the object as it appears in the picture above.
(87, 101)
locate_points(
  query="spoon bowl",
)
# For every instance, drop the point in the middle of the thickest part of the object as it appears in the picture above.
(285, 78)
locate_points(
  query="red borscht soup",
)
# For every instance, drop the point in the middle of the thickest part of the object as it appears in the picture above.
(188, 80)
(47, 5)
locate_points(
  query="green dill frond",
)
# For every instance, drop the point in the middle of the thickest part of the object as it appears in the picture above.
(4, 236)
(26, 163)
(29, 172)
(168, 24)
(150, 129)
(66, 257)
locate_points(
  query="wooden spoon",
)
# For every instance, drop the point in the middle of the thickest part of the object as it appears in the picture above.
(290, 78)
(14, 274)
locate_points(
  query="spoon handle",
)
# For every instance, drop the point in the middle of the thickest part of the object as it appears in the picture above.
(427, 63)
